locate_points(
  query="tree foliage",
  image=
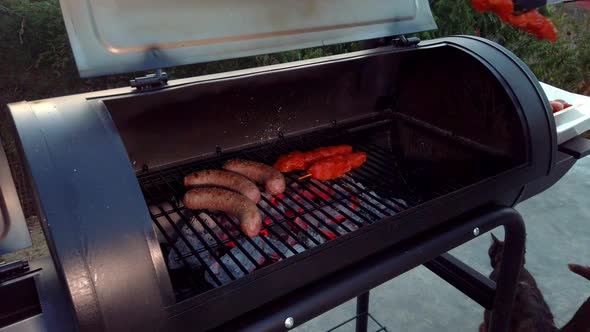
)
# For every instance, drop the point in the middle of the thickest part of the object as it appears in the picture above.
(37, 61)
(565, 63)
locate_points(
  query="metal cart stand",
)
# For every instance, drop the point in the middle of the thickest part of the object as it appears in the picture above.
(429, 249)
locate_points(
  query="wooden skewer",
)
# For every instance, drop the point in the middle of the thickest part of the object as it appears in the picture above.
(304, 177)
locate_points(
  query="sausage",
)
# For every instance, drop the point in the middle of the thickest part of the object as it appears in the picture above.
(229, 202)
(228, 180)
(273, 180)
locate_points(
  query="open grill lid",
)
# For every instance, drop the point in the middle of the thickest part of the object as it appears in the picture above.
(119, 36)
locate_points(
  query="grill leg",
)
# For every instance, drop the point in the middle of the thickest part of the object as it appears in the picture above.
(512, 257)
(362, 312)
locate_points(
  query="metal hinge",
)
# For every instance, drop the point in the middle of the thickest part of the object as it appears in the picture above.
(12, 270)
(150, 81)
(15, 271)
(402, 41)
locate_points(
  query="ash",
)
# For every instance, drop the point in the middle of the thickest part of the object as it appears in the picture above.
(248, 263)
(304, 217)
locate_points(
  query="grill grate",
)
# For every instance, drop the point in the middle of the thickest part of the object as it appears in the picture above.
(207, 250)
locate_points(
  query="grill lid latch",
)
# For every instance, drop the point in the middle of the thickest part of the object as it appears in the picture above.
(403, 41)
(150, 81)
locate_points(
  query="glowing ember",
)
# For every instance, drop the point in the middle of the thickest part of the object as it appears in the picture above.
(304, 218)
(247, 262)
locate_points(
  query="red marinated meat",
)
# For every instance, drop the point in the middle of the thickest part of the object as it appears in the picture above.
(531, 21)
(297, 160)
(336, 166)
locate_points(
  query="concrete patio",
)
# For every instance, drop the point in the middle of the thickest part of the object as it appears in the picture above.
(557, 228)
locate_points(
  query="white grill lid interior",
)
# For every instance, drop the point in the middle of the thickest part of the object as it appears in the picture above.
(118, 36)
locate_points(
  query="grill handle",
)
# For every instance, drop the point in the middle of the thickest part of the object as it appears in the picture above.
(578, 147)
(14, 234)
(571, 124)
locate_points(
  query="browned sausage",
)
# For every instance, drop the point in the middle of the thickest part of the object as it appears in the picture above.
(229, 180)
(229, 202)
(273, 180)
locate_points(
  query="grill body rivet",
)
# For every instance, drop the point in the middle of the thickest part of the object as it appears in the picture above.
(476, 231)
(289, 322)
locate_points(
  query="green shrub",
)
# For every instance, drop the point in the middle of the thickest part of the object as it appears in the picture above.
(37, 61)
(565, 63)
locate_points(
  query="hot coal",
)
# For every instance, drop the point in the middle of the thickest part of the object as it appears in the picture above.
(187, 256)
(247, 263)
(308, 215)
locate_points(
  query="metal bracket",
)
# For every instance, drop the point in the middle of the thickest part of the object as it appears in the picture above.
(15, 271)
(402, 41)
(150, 81)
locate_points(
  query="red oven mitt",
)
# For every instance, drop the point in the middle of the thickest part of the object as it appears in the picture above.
(530, 21)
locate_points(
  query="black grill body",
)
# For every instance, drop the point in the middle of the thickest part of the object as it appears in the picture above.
(450, 126)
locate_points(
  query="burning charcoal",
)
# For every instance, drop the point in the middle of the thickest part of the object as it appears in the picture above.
(175, 262)
(275, 230)
(302, 196)
(298, 248)
(282, 248)
(284, 236)
(327, 232)
(197, 222)
(388, 211)
(398, 203)
(302, 224)
(164, 208)
(352, 226)
(354, 213)
(232, 266)
(300, 203)
(275, 210)
(324, 192)
(313, 234)
(229, 224)
(239, 255)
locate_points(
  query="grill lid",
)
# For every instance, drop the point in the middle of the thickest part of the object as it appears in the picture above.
(119, 36)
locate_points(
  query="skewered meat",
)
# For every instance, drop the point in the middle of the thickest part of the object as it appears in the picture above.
(229, 202)
(296, 161)
(531, 21)
(503, 8)
(273, 180)
(228, 180)
(336, 166)
(535, 24)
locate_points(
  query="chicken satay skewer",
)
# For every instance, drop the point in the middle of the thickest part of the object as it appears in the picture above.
(308, 175)
(335, 166)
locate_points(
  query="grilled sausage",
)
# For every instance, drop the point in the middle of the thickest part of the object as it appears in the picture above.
(229, 202)
(228, 180)
(273, 180)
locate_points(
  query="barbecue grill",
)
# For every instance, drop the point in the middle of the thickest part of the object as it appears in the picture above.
(457, 131)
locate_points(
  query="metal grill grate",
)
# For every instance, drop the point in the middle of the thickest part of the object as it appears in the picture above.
(206, 250)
